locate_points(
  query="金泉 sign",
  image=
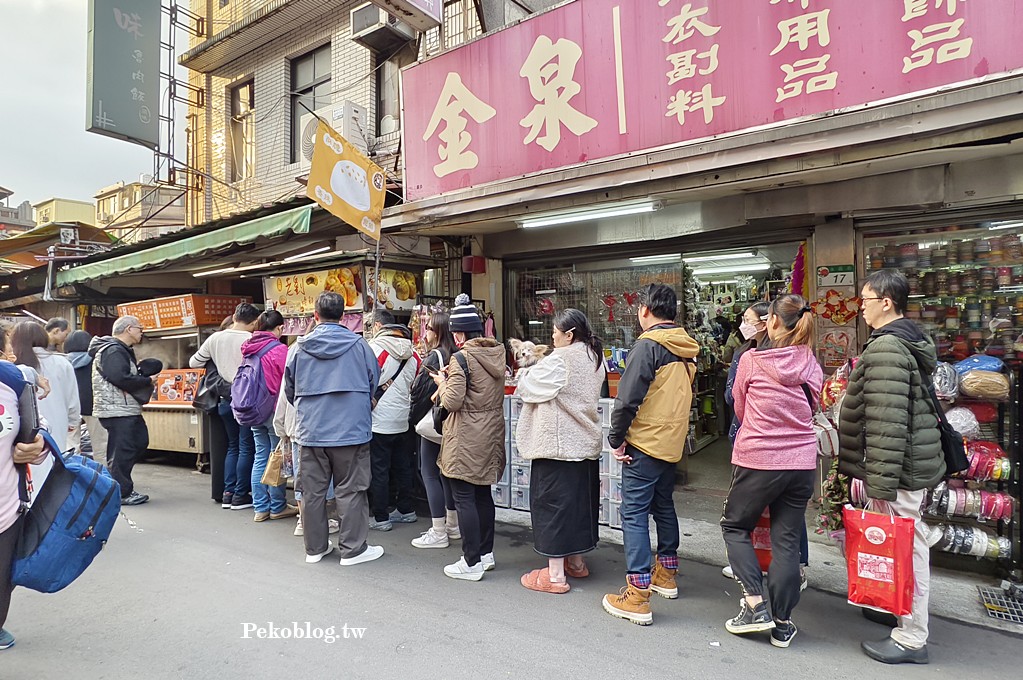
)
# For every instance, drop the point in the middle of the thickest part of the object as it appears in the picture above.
(123, 70)
(345, 183)
(595, 79)
(295, 294)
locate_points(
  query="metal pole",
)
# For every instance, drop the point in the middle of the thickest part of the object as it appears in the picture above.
(376, 283)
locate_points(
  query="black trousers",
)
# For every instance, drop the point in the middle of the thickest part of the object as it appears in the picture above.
(391, 455)
(128, 440)
(786, 493)
(8, 543)
(475, 507)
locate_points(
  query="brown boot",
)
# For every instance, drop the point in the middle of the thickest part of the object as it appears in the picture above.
(662, 581)
(631, 604)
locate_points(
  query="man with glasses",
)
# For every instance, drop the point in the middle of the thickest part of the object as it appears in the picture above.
(890, 439)
(117, 386)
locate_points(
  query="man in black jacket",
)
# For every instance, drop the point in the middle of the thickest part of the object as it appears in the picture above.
(117, 388)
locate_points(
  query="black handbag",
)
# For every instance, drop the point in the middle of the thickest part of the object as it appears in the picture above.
(952, 445)
(211, 388)
(440, 413)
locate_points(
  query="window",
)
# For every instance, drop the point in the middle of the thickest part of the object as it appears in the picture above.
(310, 89)
(243, 142)
(388, 102)
(461, 23)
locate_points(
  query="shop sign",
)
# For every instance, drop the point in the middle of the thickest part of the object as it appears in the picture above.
(420, 14)
(177, 386)
(835, 275)
(345, 183)
(123, 70)
(295, 294)
(182, 311)
(596, 79)
(398, 289)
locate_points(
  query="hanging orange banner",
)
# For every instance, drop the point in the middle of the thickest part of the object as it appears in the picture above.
(345, 183)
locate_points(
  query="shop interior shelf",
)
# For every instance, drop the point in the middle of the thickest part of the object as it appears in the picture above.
(937, 238)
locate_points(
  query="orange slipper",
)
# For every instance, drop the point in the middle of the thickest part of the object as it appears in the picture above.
(540, 581)
(582, 572)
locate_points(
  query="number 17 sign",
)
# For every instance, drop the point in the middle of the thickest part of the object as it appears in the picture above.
(835, 275)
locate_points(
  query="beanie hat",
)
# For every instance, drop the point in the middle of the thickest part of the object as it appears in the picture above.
(464, 318)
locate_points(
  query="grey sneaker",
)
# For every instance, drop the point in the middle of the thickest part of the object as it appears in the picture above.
(750, 619)
(382, 525)
(782, 634)
(135, 498)
(403, 518)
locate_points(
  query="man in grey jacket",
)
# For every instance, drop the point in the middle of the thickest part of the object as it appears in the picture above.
(115, 379)
(330, 379)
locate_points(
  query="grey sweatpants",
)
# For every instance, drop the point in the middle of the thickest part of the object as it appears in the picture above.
(349, 466)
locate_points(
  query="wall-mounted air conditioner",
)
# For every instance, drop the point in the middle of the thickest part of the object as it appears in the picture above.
(375, 29)
(349, 119)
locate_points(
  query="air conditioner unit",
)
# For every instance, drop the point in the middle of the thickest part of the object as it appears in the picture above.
(349, 119)
(375, 29)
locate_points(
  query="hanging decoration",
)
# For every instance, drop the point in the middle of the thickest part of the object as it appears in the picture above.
(800, 282)
(834, 306)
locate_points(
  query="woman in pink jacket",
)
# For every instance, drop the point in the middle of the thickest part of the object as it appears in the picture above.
(269, 502)
(774, 459)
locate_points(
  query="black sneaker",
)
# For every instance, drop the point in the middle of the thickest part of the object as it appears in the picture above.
(226, 503)
(782, 633)
(241, 501)
(135, 498)
(750, 619)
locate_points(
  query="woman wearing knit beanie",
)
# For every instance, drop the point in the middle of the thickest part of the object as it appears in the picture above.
(472, 458)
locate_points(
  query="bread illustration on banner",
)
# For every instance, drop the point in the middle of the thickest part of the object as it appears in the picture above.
(349, 183)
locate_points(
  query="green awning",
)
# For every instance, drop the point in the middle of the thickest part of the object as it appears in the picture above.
(270, 226)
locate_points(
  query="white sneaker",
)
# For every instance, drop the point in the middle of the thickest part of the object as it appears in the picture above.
(371, 553)
(299, 529)
(463, 571)
(727, 572)
(431, 539)
(488, 561)
(333, 526)
(313, 559)
(453, 532)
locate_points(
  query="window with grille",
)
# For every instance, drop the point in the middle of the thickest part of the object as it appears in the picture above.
(310, 89)
(243, 142)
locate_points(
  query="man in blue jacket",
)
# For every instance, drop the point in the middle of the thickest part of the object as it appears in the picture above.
(330, 377)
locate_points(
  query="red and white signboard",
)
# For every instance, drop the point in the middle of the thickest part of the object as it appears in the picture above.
(595, 79)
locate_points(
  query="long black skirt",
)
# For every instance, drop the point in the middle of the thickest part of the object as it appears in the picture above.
(564, 500)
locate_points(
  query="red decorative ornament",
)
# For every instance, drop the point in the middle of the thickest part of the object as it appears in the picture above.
(609, 302)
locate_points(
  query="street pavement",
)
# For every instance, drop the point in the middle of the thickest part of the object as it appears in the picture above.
(171, 594)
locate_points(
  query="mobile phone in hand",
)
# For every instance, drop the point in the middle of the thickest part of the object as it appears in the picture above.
(28, 410)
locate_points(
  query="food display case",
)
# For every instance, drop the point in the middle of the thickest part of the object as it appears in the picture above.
(175, 327)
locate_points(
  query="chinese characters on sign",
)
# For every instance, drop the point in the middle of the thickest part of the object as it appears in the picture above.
(123, 70)
(553, 91)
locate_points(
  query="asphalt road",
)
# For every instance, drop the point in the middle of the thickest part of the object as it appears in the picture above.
(171, 597)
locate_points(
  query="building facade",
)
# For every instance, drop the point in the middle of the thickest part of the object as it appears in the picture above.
(140, 210)
(64, 210)
(14, 220)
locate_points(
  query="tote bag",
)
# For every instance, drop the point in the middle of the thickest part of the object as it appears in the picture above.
(879, 556)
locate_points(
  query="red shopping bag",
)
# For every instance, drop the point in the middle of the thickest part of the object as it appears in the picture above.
(761, 537)
(879, 554)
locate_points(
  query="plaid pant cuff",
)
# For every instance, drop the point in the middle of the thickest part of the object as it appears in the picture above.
(639, 580)
(668, 561)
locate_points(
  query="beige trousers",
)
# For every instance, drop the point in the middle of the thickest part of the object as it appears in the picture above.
(912, 629)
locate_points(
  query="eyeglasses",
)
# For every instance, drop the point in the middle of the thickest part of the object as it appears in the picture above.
(139, 327)
(872, 298)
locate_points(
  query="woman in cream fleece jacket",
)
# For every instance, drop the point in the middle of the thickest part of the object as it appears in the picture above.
(559, 431)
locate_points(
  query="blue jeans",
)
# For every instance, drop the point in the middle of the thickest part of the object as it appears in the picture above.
(265, 498)
(241, 450)
(647, 484)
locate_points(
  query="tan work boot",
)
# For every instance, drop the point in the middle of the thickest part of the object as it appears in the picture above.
(631, 604)
(662, 581)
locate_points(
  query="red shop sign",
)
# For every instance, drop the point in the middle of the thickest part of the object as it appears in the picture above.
(595, 79)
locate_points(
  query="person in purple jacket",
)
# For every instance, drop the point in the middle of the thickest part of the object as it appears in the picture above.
(774, 459)
(269, 502)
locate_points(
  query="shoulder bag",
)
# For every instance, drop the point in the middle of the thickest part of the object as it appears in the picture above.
(827, 435)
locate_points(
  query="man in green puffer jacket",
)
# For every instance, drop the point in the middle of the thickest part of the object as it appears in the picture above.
(890, 439)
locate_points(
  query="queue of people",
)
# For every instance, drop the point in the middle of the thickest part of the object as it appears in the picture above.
(452, 397)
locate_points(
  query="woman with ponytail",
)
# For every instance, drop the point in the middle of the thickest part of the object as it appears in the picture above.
(774, 459)
(559, 430)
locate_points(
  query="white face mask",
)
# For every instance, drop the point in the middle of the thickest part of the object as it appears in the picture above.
(747, 329)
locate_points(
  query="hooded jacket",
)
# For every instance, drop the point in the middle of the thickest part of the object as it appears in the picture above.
(115, 376)
(392, 346)
(888, 430)
(273, 361)
(81, 362)
(330, 378)
(655, 393)
(473, 447)
(777, 430)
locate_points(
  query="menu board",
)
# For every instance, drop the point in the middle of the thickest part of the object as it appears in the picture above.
(398, 289)
(295, 294)
(177, 386)
(182, 311)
